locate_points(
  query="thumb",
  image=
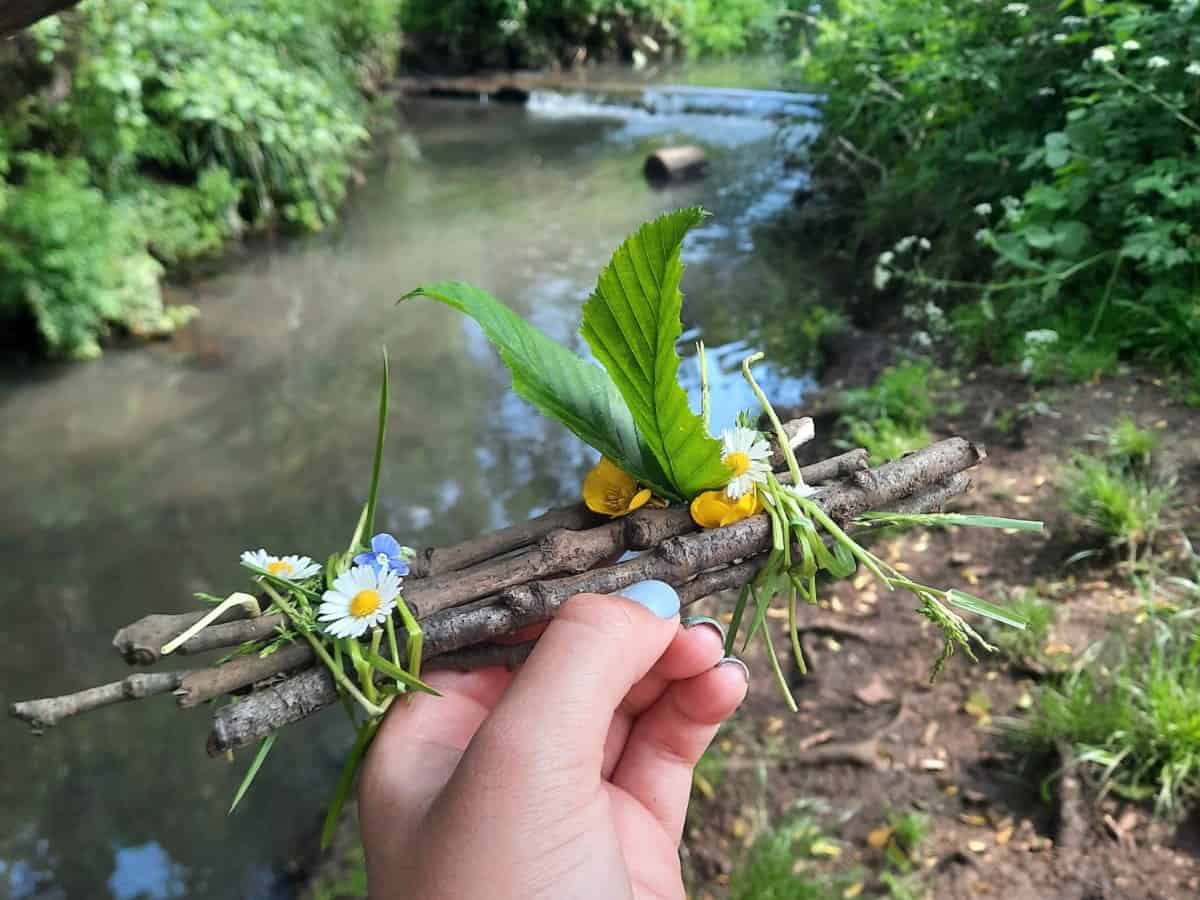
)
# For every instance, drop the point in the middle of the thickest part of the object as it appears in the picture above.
(561, 703)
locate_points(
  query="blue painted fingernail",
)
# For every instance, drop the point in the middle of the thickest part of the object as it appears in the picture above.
(657, 596)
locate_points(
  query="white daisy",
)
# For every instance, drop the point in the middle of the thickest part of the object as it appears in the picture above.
(748, 457)
(289, 568)
(359, 599)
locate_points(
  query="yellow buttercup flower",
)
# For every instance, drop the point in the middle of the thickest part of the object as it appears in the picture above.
(715, 509)
(611, 492)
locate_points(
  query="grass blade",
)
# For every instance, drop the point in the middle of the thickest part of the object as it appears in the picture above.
(380, 434)
(981, 607)
(259, 758)
(346, 780)
(886, 518)
(389, 668)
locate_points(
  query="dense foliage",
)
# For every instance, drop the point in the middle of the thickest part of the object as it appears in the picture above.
(161, 129)
(1047, 152)
(515, 33)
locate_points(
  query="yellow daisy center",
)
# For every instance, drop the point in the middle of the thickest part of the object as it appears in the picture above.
(280, 567)
(364, 603)
(738, 462)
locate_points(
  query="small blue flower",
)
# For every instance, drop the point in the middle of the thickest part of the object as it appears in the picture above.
(386, 555)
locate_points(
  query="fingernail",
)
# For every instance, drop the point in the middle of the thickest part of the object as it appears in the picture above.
(734, 661)
(692, 621)
(657, 596)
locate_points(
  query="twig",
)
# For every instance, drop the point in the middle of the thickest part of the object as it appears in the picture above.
(140, 642)
(46, 713)
(863, 752)
(207, 684)
(434, 561)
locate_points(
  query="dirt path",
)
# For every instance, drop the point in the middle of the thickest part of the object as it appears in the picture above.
(873, 736)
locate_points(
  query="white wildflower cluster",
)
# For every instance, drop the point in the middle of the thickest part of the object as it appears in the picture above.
(1131, 45)
(1045, 92)
(883, 274)
(1017, 9)
(1059, 38)
(1073, 21)
(1193, 68)
(1037, 344)
(1103, 54)
(935, 326)
(1157, 62)
(905, 244)
(983, 209)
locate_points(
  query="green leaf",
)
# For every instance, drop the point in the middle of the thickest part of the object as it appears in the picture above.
(560, 384)
(256, 764)
(980, 607)
(389, 668)
(632, 322)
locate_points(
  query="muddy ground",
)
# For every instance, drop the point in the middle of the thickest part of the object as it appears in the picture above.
(874, 737)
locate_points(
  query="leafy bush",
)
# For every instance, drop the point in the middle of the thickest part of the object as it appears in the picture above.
(518, 33)
(71, 259)
(182, 125)
(1049, 152)
(1132, 714)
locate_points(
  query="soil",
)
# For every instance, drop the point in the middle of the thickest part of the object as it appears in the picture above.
(874, 736)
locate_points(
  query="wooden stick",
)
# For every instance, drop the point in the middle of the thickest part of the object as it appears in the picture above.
(45, 713)
(207, 684)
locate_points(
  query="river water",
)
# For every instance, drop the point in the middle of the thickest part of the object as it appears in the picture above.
(131, 482)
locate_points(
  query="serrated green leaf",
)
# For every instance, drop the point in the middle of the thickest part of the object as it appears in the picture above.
(560, 384)
(632, 322)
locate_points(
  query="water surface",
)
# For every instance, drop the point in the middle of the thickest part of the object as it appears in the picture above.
(131, 482)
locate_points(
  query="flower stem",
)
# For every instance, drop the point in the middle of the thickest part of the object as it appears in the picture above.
(336, 671)
(785, 446)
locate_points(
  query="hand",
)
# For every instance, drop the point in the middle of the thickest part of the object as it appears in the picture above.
(566, 779)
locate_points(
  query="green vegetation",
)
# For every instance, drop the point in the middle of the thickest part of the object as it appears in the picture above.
(1118, 495)
(1132, 713)
(180, 126)
(1037, 161)
(1027, 643)
(517, 33)
(774, 866)
(890, 417)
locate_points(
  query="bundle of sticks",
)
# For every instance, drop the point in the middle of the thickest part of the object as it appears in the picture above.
(471, 598)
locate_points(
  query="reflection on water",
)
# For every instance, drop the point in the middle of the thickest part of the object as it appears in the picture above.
(136, 480)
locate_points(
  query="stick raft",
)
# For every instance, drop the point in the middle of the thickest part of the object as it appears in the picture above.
(472, 598)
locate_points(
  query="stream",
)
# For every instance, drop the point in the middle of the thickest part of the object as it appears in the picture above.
(134, 481)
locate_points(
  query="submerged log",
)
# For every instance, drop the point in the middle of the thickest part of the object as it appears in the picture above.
(681, 163)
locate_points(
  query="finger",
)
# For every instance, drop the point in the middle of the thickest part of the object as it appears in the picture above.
(595, 650)
(669, 738)
(419, 745)
(698, 646)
